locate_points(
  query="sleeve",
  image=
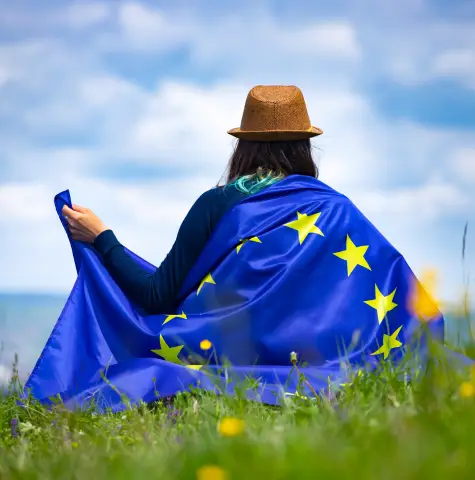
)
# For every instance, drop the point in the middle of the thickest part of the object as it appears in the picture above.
(158, 292)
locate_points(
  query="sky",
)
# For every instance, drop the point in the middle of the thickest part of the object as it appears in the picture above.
(127, 104)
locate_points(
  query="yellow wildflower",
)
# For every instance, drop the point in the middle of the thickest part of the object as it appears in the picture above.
(422, 298)
(74, 444)
(205, 344)
(467, 390)
(230, 427)
(211, 472)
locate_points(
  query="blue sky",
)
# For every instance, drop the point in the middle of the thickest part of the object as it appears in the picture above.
(127, 104)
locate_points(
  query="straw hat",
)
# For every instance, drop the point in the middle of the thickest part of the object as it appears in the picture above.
(275, 113)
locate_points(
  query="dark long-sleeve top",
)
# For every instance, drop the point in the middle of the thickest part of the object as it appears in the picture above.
(158, 292)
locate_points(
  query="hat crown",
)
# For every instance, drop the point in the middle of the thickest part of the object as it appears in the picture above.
(274, 93)
(275, 108)
(275, 112)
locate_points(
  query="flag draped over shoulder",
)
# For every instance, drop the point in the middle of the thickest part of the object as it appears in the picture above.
(293, 268)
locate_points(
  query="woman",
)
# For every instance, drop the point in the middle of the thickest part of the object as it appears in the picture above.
(273, 143)
(317, 284)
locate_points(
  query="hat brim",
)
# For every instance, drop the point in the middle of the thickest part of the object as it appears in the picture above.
(275, 135)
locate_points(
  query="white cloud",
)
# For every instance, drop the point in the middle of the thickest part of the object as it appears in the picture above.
(232, 37)
(5, 76)
(74, 17)
(272, 43)
(464, 165)
(82, 14)
(23, 203)
(418, 47)
(149, 29)
(458, 64)
(434, 199)
(15, 58)
(332, 39)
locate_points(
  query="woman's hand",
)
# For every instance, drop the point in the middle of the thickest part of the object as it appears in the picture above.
(84, 225)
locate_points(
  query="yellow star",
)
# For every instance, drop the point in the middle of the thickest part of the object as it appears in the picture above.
(353, 255)
(389, 342)
(170, 354)
(242, 242)
(194, 367)
(207, 279)
(382, 304)
(171, 317)
(305, 224)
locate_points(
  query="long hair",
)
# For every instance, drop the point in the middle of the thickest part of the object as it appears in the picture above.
(254, 165)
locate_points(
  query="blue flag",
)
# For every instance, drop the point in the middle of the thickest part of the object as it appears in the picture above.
(293, 268)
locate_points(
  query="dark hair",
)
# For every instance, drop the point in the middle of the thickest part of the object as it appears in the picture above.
(274, 158)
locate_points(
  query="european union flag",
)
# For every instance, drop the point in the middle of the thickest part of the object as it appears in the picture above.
(293, 268)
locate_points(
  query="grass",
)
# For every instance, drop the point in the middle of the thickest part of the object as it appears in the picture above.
(378, 427)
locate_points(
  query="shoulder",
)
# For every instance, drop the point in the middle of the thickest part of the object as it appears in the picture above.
(213, 204)
(219, 198)
(227, 192)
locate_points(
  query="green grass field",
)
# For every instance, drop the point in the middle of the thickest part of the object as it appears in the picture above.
(379, 427)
